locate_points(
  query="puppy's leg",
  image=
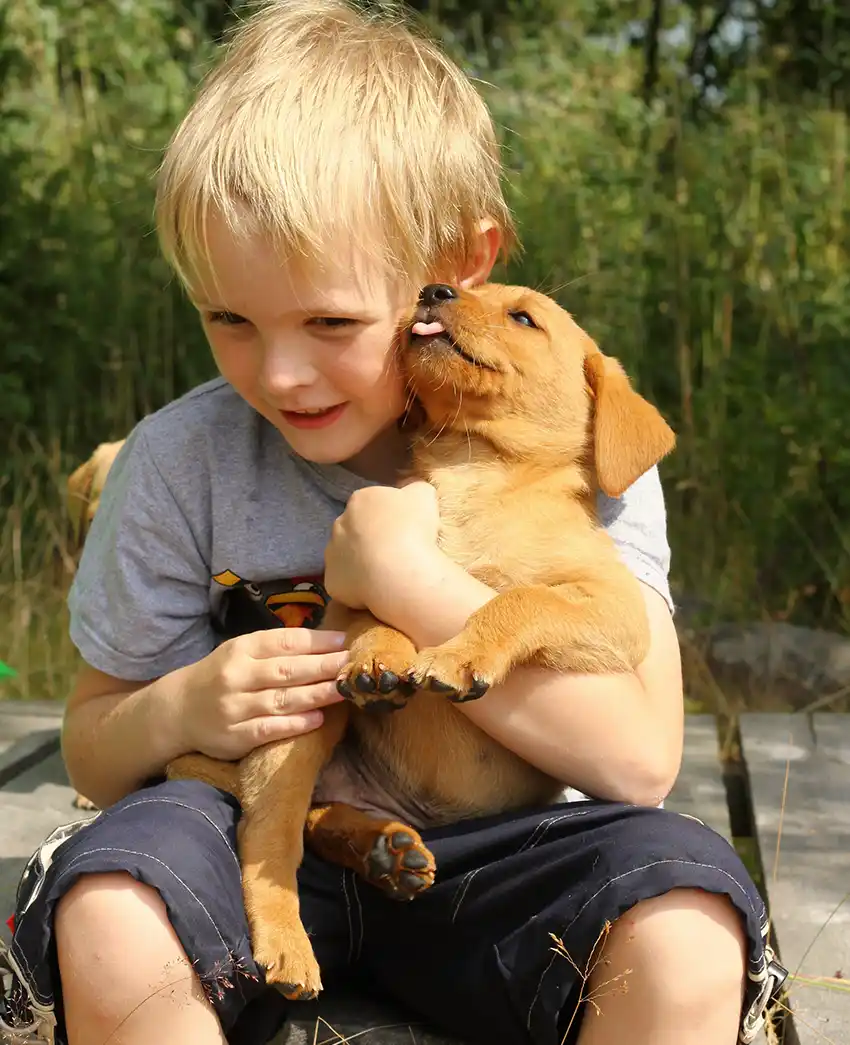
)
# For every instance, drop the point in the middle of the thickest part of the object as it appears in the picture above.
(590, 627)
(376, 676)
(277, 783)
(386, 853)
(213, 771)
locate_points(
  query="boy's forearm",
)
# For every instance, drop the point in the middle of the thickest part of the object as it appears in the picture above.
(605, 735)
(112, 744)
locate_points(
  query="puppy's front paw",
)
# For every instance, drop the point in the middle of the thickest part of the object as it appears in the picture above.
(456, 670)
(376, 679)
(287, 955)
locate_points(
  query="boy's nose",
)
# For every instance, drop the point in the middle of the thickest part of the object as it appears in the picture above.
(285, 368)
(437, 293)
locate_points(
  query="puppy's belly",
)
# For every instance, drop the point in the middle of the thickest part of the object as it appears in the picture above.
(350, 778)
(437, 767)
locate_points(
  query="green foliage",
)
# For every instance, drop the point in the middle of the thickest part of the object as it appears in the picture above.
(699, 234)
(90, 94)
(712, 257)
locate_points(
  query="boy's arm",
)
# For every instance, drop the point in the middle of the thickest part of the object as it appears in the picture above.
(117, 734)
(617, 737)
(260, 687)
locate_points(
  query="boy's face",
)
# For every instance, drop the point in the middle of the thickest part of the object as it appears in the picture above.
(312, 354)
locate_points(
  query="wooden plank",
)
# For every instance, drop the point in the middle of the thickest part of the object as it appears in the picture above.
(19, 717)
(699, 790)
(809, 886)
(28, 732)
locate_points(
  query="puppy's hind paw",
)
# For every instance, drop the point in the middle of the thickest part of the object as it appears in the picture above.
(399, 863)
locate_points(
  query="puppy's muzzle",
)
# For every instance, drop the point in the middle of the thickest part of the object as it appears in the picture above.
(430, 328)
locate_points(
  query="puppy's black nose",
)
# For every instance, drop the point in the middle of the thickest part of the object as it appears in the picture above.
(437, 293)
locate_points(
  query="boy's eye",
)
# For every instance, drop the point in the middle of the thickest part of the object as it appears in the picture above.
(523, 318)
(227, 319)
(332, 322)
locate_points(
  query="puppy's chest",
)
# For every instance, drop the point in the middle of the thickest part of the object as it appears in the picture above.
(492, 539)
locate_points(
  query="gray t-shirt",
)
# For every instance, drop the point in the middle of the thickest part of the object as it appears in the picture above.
(210, 525)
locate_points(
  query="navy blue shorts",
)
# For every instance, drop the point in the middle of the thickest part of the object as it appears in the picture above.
(484, 964)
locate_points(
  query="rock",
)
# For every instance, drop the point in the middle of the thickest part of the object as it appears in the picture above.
(341, 1015)
(784, 663)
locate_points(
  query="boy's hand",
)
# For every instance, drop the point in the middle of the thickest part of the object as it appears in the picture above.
(269, 685)
(382, 538)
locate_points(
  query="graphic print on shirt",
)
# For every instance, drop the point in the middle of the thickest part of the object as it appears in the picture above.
(246, 606)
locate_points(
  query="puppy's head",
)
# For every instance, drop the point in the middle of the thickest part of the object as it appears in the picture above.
(510, 365)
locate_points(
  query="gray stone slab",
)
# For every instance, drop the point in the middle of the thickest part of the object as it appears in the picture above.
(32, 805)
(341, 1015)
(699, 790)
(809, 884)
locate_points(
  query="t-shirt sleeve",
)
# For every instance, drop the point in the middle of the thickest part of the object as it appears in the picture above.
(139, 603)
(637, 523)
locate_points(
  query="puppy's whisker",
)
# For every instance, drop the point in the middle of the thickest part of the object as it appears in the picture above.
(448, 422)
(439, 432)
(459, 406)
(408, 405)
(567, 283)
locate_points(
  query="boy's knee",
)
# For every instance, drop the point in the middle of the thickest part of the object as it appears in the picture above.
(99, 899)
(123, 968)
(104, 917)
(689, 938)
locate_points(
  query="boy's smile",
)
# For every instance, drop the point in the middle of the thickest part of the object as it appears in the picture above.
(312, 351)
(320, 418)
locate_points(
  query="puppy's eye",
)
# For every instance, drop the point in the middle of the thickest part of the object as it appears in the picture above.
(523, 318)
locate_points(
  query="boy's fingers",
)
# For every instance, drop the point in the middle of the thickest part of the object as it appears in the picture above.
(289, 701)
(288, 642)
(281, 673)
(265, 730)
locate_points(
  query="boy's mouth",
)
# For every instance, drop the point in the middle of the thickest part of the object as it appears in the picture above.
(319, 418)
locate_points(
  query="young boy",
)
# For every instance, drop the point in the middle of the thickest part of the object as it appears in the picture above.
(332, 165)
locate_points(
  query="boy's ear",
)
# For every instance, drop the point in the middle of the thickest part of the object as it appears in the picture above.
(629, 434)
(485, 251)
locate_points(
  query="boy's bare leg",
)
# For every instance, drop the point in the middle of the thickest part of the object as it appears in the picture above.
(672, 973)
(125, 977)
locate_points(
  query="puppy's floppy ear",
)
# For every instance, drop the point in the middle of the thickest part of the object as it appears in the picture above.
(630, 435)
(78, 491)
(85, 486)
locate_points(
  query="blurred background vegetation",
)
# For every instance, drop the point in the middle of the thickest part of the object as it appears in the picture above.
(678, 170)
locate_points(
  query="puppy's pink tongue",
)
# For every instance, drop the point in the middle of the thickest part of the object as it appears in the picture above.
(428, 329)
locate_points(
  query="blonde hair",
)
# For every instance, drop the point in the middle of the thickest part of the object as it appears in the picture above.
(325, 125)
